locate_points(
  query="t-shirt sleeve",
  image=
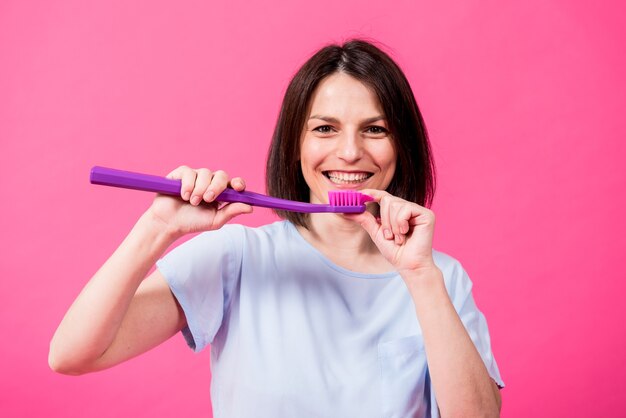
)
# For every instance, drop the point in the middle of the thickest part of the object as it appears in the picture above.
(460, 289)
(202, 274)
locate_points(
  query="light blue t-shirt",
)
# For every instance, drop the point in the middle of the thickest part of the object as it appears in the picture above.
(294, 335)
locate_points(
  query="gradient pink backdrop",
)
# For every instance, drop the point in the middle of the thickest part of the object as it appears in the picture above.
(524, 103)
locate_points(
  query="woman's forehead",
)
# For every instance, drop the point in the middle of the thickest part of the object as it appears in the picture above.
(341, 94)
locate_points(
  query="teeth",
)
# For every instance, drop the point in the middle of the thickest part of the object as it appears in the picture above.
(341, 177)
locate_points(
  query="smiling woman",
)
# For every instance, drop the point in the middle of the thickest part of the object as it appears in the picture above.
(343, 146)
(319, 314)
(363, 75)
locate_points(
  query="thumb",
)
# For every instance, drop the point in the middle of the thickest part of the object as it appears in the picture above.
(231, 210)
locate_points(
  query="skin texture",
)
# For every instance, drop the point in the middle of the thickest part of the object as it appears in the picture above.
(119, 315)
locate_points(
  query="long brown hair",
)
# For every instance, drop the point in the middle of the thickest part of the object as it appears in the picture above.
(414, 177)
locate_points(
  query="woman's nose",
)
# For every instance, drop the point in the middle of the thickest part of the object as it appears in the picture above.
(349, 147)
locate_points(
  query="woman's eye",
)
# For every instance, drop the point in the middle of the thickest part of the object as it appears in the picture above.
(376, 130)
(324, 129)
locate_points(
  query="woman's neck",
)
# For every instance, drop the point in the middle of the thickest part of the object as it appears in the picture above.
(345, 243)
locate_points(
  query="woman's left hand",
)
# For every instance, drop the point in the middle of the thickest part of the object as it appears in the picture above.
(403, 233)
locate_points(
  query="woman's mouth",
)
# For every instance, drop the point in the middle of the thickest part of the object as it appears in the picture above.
(344, 177)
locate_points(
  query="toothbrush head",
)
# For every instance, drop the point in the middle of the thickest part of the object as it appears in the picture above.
(348, 198)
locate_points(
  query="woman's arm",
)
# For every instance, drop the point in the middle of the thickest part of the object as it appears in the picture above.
(111, 320)
(460, 378)
(118, 315)
(404, 237)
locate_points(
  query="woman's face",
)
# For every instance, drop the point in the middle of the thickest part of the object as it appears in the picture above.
(346, 143)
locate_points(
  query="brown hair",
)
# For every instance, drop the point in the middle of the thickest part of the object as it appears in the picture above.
(414, 177)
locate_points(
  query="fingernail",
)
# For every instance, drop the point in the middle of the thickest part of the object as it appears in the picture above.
(387, 233)
(195, 200)
(186, 195)
(209, 195)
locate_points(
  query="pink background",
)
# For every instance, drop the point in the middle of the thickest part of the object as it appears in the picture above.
(524, 104)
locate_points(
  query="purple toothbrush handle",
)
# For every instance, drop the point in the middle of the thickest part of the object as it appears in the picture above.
(146, 182)
(137, 181)
(149, 183)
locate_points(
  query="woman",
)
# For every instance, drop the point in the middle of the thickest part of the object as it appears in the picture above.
(318, 315)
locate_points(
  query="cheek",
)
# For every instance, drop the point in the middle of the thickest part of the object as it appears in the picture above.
(311, 155)
(388, 160)
(387, 156)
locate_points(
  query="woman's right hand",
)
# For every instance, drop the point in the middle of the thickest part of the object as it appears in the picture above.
(198, 211)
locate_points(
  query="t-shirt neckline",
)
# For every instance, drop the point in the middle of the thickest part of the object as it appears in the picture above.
(292, 228)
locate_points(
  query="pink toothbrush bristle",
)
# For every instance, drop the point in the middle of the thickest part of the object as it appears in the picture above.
(347, 198)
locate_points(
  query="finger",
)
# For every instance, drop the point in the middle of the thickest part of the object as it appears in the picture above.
(219, 182)
(401, 215)
(238, 184)
(384, 216)
(229, 211)
(427, 217)
(177, 173)
(399, 239)
(188, 180)
(376, 194)
(421, 216)
(395, 208)
(403, 218)
(203, 179)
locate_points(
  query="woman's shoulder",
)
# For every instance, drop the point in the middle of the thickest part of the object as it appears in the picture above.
(445, 261)
(232, 239)
(455, 276)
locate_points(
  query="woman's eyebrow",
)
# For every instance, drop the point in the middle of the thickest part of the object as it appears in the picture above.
(375, 119)
(335, 120)
(325, 118)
